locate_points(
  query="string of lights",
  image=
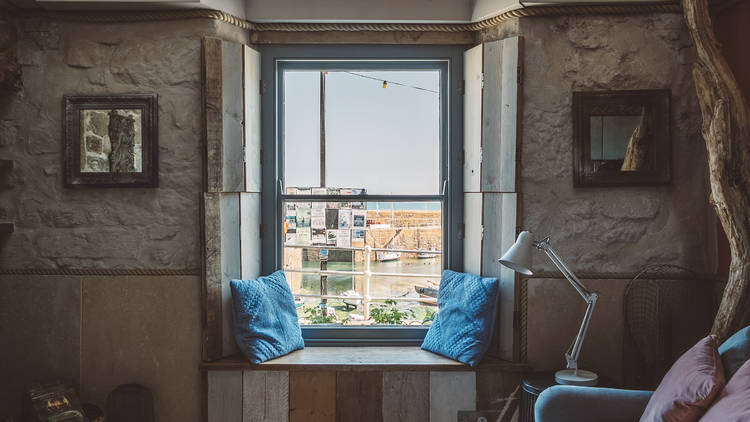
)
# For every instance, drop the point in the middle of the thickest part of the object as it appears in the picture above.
(386, 82)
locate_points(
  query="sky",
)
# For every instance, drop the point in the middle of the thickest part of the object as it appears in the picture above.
(386, 140)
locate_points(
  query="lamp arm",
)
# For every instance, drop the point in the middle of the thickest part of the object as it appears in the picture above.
(571, 356)
(569, 275)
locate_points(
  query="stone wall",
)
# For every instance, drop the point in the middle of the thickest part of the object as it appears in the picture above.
(99, 331)
(615, 229)
(607, 229)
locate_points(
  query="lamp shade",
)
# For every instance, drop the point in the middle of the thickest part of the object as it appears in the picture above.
(519, 257)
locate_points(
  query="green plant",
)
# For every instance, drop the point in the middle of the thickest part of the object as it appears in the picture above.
(317, 315)
(429, 316)
(389, 313)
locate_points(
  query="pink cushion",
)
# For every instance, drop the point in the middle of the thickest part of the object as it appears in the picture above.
(733, 404)
(689, 387)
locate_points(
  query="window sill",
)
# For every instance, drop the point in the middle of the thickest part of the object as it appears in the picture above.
(380, 358)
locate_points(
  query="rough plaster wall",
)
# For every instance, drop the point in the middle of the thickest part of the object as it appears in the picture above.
(95, 331)
(93, 227)
(612, 228)
(615, 229)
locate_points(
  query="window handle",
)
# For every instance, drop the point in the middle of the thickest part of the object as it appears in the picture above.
(281, 187)
(445, 186)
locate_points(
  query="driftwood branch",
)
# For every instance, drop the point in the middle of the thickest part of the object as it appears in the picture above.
(726, 131)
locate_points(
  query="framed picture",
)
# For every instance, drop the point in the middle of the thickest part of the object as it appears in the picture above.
(111, 140)
(622, 138)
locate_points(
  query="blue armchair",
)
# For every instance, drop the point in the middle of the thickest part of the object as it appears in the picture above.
(566, 403)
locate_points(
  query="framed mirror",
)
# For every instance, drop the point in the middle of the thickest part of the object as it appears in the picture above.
(621, 138)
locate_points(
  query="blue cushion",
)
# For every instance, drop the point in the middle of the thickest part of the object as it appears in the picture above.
(265, 319)
(462, 329)
(735, 351)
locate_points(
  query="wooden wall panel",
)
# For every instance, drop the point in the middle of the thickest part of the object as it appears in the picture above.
(473, 205)
(225, 396)
(230, 266)
(472, 118)
(451, 392)
(499, 390)
(265, 396)
(406, 396)
(232, 117)
(250, 246)
(359, 396)
(312, 396)
(212, 113)
(492, 159)
(251, 86)
(212, 294)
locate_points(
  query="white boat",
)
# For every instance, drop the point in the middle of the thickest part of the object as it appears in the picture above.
(430, 253)
(387, 256)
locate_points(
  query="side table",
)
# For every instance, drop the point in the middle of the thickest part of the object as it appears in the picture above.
(534, 383)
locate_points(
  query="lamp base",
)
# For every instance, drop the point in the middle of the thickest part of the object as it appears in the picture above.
(579, 377)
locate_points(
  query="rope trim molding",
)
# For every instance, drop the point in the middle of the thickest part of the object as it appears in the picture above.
(96, 271)
(616, 9)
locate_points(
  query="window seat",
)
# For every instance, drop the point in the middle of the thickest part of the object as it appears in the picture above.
(397, 358)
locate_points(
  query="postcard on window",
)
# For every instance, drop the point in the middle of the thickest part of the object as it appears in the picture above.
(332, 219)
(345, 219)
(318, 236)
(359, 218)
(358, 238)
(303, 217)
(303, 235)
(343, 239)
(318, 218)
(331, 236)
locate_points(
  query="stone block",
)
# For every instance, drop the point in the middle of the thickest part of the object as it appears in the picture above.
(143, 330)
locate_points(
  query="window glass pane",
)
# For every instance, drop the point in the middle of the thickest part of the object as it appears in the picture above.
(382, 130)
(301, 128)
(402, 288)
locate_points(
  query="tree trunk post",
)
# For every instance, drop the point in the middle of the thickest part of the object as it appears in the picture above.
(726, 131)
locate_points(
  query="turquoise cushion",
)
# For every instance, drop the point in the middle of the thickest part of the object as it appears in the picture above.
(265, 319)
(735, 351)
(462, 329)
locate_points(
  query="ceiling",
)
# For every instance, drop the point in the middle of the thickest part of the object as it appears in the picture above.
(432, 11)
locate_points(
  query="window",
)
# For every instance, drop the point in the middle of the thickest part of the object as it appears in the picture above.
(362, 200)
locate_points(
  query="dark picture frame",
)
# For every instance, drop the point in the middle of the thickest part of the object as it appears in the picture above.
(111, 140)
(652, 111)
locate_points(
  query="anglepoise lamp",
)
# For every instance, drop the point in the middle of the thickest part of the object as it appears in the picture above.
(518, 258)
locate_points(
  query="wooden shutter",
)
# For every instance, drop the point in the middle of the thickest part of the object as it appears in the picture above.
(231, 201)
(491, 113)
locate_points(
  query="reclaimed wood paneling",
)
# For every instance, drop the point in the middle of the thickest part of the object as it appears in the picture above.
(265, 396)
(473, 211)
(500, 214)
(499, 390)
(509, 113)
(451, 392)
(232, 116)
(212, 113)
(492, 159)
(312, 396)
(406, 396)
(251, 86)
(212, 323)
(225, 396)
(230, 265)
(472, 118)
(250, 247)
(359, 396)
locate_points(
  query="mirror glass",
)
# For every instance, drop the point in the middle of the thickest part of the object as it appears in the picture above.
(618, 143)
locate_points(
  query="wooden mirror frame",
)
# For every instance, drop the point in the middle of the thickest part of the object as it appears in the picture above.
(657, 105)
(74, 104)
